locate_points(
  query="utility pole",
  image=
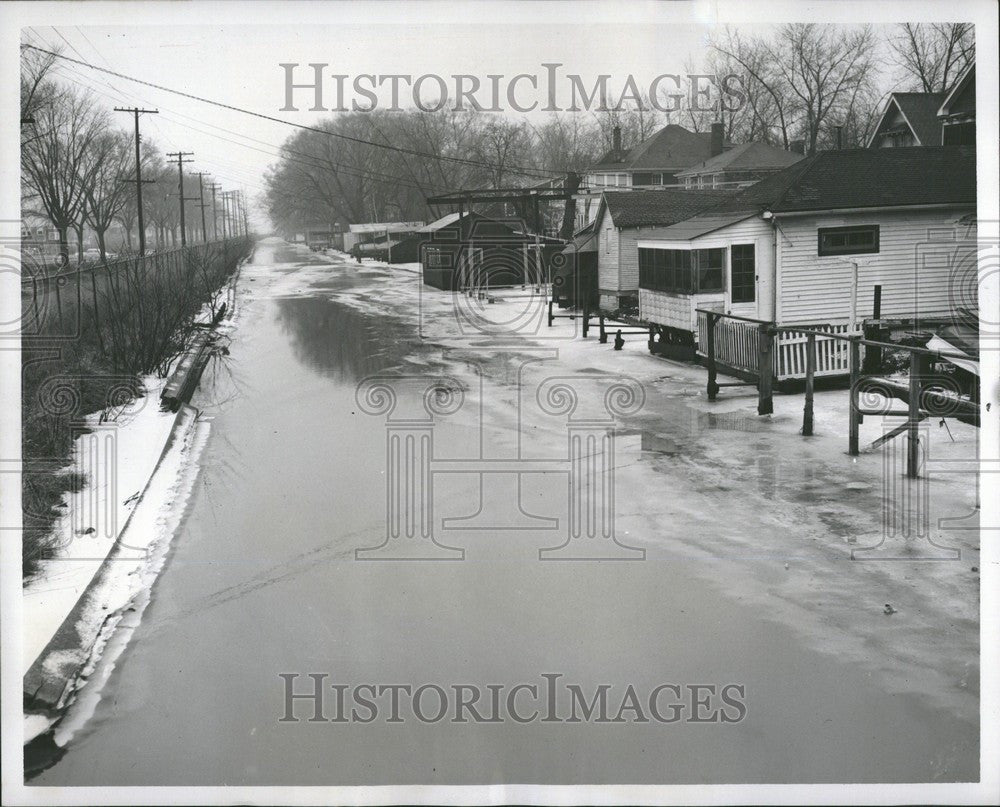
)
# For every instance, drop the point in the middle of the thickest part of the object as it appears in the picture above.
(180, 155)
(215, 216)
(246, 222)
(202, 205)
(136, 111)
(226, 232)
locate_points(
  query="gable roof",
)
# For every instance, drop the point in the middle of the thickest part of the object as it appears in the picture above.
(700, 225)
(437, 224)
(744, 157)
(656, 208)
(835, 180)
(919, 111)
(671, 147)
(956, 92)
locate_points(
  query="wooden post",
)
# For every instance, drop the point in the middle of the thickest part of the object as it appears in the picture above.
(586, 319)
(713, 387)
(913, 419)
(652, 341)
(872, 330)
(765, 370)
(807, 413)
(603, 338)
(854, 416)
(550, 312)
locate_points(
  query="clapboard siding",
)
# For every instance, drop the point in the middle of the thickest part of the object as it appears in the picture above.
(607, 254)
(916, 263)
(665, 308)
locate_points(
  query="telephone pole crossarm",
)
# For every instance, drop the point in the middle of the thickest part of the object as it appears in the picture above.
(139, 181)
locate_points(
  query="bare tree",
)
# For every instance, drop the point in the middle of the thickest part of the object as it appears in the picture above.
(56, 165)
(37, 89)
(933, 55)
(108, 191)
(824, 66)
(766, 94)
(804, 78)
(501, 143)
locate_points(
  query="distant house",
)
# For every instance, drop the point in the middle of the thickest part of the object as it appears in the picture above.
(958, 111)
(625, 217)
(739, 165)
(654, 162)
(808, 245)
(909, 119)
(930, 118)
(358, 235)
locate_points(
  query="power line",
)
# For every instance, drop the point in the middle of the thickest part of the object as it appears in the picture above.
(276, 150)
(524, 171)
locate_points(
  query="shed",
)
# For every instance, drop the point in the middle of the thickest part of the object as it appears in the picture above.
(463, 250)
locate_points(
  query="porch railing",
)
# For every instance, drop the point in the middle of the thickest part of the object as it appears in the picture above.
(736, 345)
(925, 393)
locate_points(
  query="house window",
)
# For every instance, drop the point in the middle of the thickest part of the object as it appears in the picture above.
(607, 241)
(438, 259)
(682, 271)
(711, 272)
(860, 240)
(744, 273)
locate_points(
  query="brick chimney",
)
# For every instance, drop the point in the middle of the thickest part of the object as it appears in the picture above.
(616, 142)
(718, 139)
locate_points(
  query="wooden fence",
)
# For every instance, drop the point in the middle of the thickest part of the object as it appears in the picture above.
(736, 342)
(50, 297)
(760, 352)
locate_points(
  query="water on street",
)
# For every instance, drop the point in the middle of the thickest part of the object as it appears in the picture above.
(745, 578)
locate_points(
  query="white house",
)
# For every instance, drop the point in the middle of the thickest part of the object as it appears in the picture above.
(809, 245)
(625, 217)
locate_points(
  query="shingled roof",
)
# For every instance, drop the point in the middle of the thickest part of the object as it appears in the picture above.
(658, 208)
(920, 110)
(745, 157)
(672, 147)
(857, 178)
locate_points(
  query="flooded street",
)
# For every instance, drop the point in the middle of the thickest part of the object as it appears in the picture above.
(744, 579)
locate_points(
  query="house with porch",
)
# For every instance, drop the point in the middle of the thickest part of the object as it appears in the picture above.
(623, 219)
(818, 243)
(958, 111)
(930, 118)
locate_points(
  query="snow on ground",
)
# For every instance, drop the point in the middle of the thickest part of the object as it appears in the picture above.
(815, 538)
(126, 589)
(118, 459)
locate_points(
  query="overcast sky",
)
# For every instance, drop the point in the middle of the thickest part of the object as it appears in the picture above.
(239, 65)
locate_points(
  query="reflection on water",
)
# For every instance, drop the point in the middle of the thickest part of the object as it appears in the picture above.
(340, 341)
